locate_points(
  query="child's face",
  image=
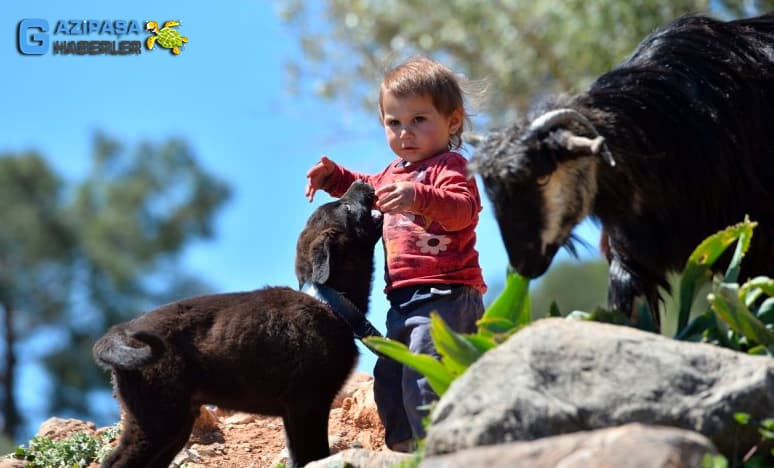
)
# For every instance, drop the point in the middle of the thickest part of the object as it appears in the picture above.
(415, 129)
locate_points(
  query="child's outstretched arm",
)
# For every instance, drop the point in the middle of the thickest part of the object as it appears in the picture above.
(331, 177)
(318, 175)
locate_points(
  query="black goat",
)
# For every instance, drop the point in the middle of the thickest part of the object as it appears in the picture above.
(672, 145)
(272, 351)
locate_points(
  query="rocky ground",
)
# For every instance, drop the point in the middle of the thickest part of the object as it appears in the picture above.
(239, 440)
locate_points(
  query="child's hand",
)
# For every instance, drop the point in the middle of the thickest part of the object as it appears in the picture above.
(317, 175)
(396, 197)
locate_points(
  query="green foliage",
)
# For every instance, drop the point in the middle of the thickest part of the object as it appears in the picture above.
(438, 376)
(697, 269)
(739, 316)
(508, 313)
(76, 258)
(714, 461)
(413, 462)
(752, 459)
(570, 284)
(521, 49)
(78, 450)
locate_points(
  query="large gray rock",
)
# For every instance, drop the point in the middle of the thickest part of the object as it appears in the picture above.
(360, 458)
(630, 446)
(559, 376)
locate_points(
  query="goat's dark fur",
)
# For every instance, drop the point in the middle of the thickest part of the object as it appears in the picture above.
(689, 121)
(273, 351)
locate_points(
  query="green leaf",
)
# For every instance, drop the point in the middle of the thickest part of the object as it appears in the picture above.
(457, 352)
(726, 303)
(493, 325)
(643, 318)
(697, 268)
(481, 342)
(765, 312)
(513, 302)
(745, 235)
(714, 461)
(438, 376)
(742, 418)
(756, 461)
(760, 350)
(698, 326)
(752, 290)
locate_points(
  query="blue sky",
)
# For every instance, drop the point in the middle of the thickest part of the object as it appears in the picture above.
(226, 97)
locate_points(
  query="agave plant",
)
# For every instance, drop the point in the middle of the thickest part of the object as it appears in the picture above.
(508, 313)
(739, 317)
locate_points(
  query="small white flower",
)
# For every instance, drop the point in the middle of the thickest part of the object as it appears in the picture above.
(433, 244)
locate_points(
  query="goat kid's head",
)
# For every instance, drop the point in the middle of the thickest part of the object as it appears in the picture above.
(336, 232)
(542, 180)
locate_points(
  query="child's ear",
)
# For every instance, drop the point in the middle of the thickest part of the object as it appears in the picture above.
(455, 121)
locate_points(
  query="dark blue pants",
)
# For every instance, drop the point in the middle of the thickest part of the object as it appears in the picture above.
(401, 392)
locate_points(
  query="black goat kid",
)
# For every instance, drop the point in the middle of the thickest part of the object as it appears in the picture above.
(273, 351)
(672, 145)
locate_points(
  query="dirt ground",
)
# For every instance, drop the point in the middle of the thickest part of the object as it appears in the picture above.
(225, 439)
(240, 440)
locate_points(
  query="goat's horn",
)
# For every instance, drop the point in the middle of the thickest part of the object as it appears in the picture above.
(560, 116)
(565, 115)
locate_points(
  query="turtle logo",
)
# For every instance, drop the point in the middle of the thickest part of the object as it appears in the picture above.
(166, 37)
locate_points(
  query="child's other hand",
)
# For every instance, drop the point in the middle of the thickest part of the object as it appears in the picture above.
(396, 197)
(317, 175)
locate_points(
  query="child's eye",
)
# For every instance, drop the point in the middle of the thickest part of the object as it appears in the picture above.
(393, 123)
(419, 119)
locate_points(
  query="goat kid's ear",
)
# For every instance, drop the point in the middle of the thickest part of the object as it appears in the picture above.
(321, 256)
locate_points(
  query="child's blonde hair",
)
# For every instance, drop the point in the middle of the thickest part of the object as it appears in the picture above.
(421, 76)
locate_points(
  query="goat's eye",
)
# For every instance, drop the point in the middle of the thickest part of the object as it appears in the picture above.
(543, 180)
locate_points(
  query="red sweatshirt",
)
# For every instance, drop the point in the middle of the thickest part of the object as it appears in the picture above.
(435, 241)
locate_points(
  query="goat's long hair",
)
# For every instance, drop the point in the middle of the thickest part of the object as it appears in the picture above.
(698, 80)
(690, 116)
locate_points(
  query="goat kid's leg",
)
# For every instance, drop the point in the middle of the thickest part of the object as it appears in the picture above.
(179, 433)
(136, 449)
(306, 433)
(154, 429)
(155, 447)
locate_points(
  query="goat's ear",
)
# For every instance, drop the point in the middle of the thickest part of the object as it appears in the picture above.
(584, 145)
(320, 255)
(473, 139)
